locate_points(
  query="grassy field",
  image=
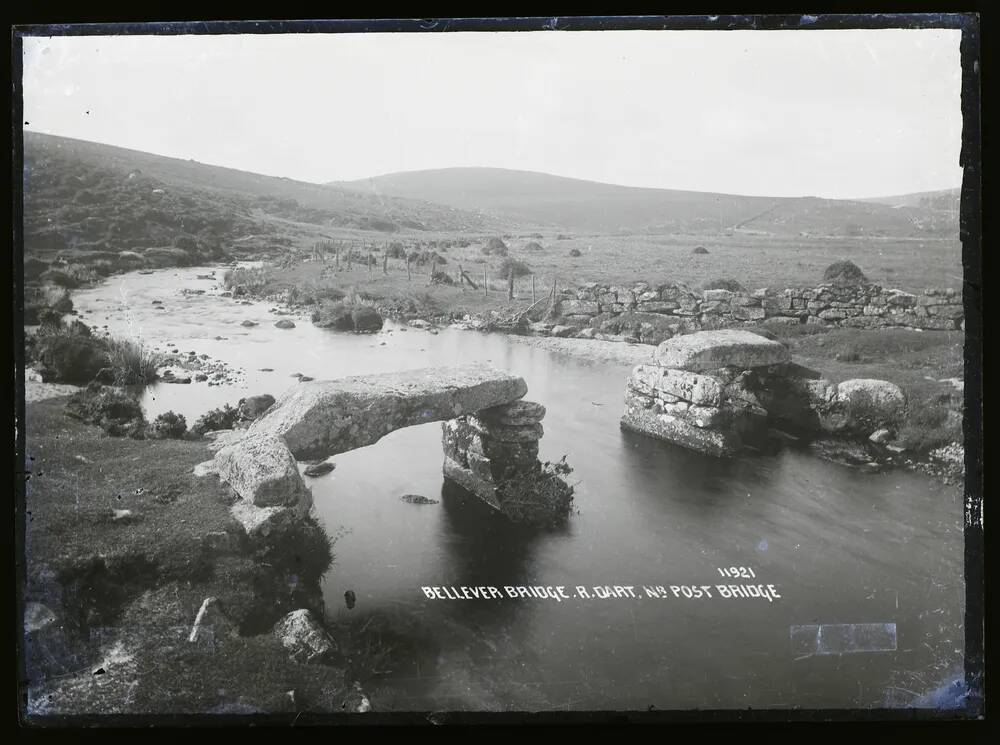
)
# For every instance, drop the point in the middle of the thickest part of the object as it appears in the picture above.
(752, 260)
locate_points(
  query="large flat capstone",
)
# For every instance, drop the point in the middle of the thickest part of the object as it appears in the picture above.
(323, 418)
(711, 350)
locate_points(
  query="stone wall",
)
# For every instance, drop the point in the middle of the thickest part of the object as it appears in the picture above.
(651, 313)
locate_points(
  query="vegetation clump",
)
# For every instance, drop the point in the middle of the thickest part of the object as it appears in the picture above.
(724, 284)
(224, 417)
(538, 498)
(495, 247)
(533, 246)
(844, 273)
(509, 266)
(700, 250)
(168, 426)
(114, 410)
(130, 362)
(574, 252)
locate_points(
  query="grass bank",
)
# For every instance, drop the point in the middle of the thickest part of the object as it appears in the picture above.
(123, 545)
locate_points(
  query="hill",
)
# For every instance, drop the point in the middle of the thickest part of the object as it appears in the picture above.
(84, 196)
(581, 205)
(945, 200)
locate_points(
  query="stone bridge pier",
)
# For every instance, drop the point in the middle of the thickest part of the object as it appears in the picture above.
(489, 434)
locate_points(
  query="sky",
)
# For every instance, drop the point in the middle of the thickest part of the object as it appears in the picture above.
(837, 114)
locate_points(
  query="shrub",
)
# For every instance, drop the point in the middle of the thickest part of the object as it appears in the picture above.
(60, 278)
(509, 265)
(64, 357)
(562, 237)
(168, 425)
(844, 273)
(533, 246)
(574, 252)
(131, 363)
(114, 410)
(216, 419)
(700, 250)
(396, 250)
(495, 247)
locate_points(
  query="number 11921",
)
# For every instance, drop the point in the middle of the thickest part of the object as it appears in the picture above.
(745, 572)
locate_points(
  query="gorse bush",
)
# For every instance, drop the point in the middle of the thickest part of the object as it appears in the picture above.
(168, 425)
(844, 273)
(495, 247)
(224, 417)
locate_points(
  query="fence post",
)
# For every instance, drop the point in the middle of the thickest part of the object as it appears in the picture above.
(532, 289)
(461, 279)
(510, 284)
(433, 269)
(486, 284)
(385, 260)
(407, 266)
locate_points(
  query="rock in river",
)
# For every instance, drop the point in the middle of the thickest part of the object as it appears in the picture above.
(284, 323)
(417, 499)
(253, 407)
(319, 469)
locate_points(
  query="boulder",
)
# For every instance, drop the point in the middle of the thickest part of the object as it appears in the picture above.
(879, 392)
(262, 471)
(253, 407)
(264, 522)
(335, 316)
(318, 469)
(323, 418)
(284, 323)
(304, 638)
(366, 319)
(708, 350)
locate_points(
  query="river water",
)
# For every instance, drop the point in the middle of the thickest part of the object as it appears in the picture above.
(839, 546)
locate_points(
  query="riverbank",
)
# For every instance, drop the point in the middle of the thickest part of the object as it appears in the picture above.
(124, 546)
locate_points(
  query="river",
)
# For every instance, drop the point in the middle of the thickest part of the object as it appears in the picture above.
(840, 546)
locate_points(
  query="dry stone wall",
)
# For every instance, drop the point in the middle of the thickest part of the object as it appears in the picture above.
(651, 313)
